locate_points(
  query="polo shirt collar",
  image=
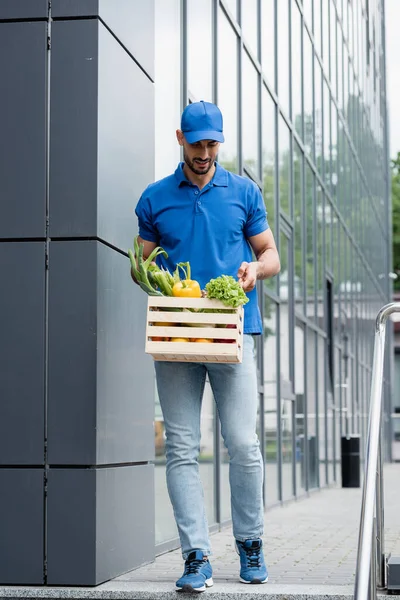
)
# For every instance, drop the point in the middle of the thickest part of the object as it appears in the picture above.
(220, 178)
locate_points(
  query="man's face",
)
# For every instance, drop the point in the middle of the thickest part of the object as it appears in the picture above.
(200, 156)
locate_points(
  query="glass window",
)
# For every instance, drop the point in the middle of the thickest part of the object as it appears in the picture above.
(287, 424)
(299, 389)
(250, 115)
(270, 401)
(308, 96)
(327, 133)
(325, 34)
(168, 85)
(297, 78)
(320, 211)
(318, 26)
(310, 253)
(334, 152)
(284, 166)
(318, 116)
(227, 91)
(232, 7)
(268, 165)
(199, 53)
(340, 67)
(308, 13)
(268, 40)
(249, 18)
(283, 54)
(329, 216)
(333, 74)
(298, 226)
(315, 433)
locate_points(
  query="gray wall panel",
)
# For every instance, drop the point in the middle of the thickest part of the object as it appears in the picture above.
(22, 327)
(72, 352)
(125, 374)
(73, 128)
(101, 384)
(23, 9)
(21, 526)
(23, 59)
(74, 8)
(105, 518)
(125, 140)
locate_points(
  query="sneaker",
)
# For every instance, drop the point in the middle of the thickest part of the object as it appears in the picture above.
(252, 564)
(197, 575)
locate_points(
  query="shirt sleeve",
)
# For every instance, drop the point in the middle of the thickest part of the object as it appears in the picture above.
(147, 229)
(257, 215)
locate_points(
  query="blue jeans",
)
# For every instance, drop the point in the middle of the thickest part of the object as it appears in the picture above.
(180, 389)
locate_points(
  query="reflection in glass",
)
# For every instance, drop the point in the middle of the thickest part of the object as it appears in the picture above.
(297, 79)
(199, 56)
(318, 26)
(298, 226)
(284, 321)
(284, 166)
(299, 390)
(268, 165)
(168, 85)
(249, 18)
(268, 40)
(308, 13)
(308, 96)
(310, 254)
(333, 74)
(287, 425)
(270, 401)
(318, 117)
(326, 9)
(327, 134)
(232, 7)
(316, 435)
(251, 126)
(320, 255)
(227, 91)
(283, 54)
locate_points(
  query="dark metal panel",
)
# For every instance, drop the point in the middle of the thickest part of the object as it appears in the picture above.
(71, 527)
(74, 8)
(132, 22)
(21, 526)
(23, 9)
(100, 523)
(72, 352)
(101, 383)
(125, 374)
(125, 140)
(73, 128)
(22, 327)
(23, 60)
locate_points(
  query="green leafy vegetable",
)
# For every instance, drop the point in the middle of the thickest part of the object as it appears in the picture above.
(226, 289)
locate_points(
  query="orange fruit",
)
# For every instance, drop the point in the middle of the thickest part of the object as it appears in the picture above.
(179, 340)
(203, 341)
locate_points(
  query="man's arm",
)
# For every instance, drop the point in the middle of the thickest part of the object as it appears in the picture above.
(148, 248)
(267, 264)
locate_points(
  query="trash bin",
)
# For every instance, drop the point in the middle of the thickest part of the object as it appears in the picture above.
(350, 447)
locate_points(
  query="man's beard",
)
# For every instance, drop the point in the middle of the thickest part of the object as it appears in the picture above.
(192, 165)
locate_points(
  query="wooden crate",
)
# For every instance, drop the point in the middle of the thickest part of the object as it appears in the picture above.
(182, 324)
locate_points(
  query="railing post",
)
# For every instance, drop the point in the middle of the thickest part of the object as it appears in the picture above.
(369, 549)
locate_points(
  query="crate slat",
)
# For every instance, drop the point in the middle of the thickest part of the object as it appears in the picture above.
(194, 332)
(192, 325)
(187, 317)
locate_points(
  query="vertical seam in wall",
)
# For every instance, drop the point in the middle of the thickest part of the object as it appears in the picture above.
(46, 320)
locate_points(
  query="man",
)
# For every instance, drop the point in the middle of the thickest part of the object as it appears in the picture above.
(212, 218)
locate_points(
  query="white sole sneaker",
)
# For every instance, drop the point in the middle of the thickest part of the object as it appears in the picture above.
(188, 589)
(255, 581)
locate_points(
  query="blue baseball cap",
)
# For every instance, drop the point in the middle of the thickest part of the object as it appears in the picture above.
(202, 121)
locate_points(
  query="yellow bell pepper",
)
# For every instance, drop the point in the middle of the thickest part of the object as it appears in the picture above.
(186, 288)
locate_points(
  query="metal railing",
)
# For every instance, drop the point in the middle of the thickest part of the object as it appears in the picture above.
(371, 567)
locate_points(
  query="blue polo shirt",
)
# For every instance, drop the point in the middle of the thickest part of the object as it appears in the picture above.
(208, 227)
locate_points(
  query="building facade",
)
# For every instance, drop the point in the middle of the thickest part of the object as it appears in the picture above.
(92, 92)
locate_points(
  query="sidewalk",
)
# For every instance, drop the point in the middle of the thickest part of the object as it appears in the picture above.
(311, 547)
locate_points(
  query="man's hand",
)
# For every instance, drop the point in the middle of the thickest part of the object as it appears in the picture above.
(247, 275)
